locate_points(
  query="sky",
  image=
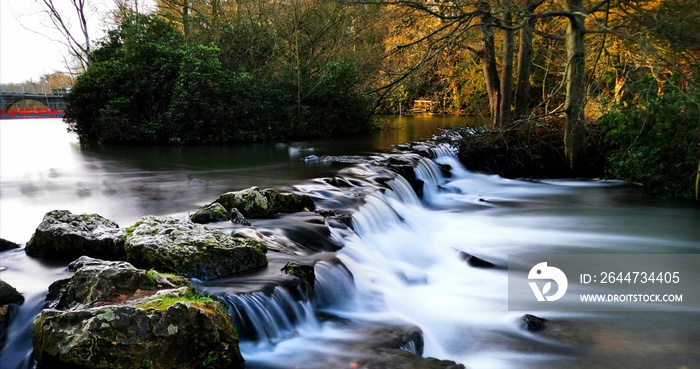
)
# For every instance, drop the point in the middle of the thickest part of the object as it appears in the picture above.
(27, 50)
(24, 53)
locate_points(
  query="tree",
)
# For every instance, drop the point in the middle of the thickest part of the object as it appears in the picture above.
(79, 43)
(146, 85)
(457, 19)
(124, 94)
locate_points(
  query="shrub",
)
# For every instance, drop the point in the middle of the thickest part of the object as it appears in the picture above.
(653, 140)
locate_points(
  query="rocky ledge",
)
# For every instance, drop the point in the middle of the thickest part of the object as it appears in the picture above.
(113, 315)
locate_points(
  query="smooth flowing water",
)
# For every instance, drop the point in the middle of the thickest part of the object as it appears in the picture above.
(400, 263)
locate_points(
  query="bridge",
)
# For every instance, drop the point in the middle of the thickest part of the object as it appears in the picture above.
(54, 100)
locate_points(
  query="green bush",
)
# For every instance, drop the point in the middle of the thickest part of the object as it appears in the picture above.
(146, 85)
(653, 140)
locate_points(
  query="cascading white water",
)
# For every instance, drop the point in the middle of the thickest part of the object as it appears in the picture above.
(272, 318)
(427, 171)
(402, 262)
(334, 288)
(402, 191)
(442, 150)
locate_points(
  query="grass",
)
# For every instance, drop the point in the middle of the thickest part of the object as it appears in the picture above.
(203, 301)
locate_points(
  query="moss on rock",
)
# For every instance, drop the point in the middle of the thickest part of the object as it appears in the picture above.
(213, 212)
(105, 318)
(256, 203)
(190, 249)
(63, 235)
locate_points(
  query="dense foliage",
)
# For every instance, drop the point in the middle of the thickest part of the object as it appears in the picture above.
(655, 139)
(146, 84)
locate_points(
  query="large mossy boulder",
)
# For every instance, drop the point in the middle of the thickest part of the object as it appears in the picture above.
(190, 249)
(255, 203)
(184, 335)
(63, 235)
(112, 315)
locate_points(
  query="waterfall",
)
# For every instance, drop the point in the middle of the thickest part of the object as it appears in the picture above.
(442, 150)
(334, 288)
(400, 263)
(376, 214)
(402, 191)
(429, 172)
(269, 318)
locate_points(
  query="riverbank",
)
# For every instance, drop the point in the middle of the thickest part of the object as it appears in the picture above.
(537, 152)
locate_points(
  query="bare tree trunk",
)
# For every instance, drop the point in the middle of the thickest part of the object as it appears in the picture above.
(522, 88)
(507, 69)
(186, 18)
(574, 130)
(488, 64)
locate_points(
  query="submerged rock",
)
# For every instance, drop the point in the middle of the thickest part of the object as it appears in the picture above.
(63, 235)
(190, 249)
(112, 315)
(396, 347)
(475, 261)
(213, 212)
(534, 323)
(256, 203)
(304, 272)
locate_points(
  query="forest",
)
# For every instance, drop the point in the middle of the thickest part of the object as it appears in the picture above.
(568, 87)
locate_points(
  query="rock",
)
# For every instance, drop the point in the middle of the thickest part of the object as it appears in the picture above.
(256, 203)
(183, 335)
(446, 170)
(190, 249)
(476, 262)
(7, 245)
(112, 315)
(66, 236)
(213, 212)
(302, 271)
(4, 317)
(533, 323)
(397, 347)
(97, 282)
(9, 295)
(238, 218)
(334, 218)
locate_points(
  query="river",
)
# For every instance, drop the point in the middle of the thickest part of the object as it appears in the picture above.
(399, 263)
